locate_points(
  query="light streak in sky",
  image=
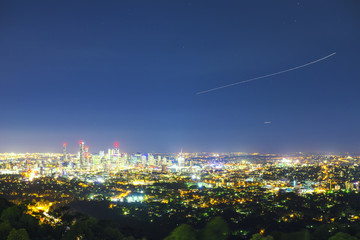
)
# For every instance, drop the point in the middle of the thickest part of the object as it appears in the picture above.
(268, 75)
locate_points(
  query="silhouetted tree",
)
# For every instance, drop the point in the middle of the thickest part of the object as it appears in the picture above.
(4, 204)
(325, 231)
(258, 236)
(216, 229)
(112, 234)
(82, 229)
(20, 234)
(12, 214)
(30, 223)
(301, 235)
(342, 236)
(182, 232)
(5, 229)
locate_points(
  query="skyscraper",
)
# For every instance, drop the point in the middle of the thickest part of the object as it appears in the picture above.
(87, 161)
(143, 160)
(117, 151)
(151, 160)
(64, 152)
(82, 154)
(181, 160)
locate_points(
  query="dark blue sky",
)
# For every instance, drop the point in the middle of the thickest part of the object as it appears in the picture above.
(128, 71)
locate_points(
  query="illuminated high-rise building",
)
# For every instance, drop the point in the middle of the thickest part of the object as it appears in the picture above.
(101, 154)
(64, 152)
(124, 160)
(164, 161)
(181, 160)
(86, 150)
(143, 160)
(137, 157)
(96, 162)
(82, 154)
(110, 153)
(87, 162)
(151, 160)
(116, 159)
(117, 151)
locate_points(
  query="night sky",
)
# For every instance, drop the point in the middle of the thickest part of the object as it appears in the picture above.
(128, 71)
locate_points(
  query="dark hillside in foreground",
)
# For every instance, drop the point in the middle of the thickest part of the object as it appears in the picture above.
(17, 222)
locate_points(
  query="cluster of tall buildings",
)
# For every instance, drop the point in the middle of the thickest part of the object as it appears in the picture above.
(114, 159)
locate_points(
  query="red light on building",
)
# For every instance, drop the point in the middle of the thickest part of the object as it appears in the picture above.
(116, 145)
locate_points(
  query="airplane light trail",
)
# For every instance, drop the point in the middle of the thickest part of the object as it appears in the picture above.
(269, 75)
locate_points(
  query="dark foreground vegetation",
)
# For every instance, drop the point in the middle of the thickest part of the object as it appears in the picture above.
(17, 223)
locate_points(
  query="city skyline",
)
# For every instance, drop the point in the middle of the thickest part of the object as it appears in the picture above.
(81, 147)
(129, 71)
